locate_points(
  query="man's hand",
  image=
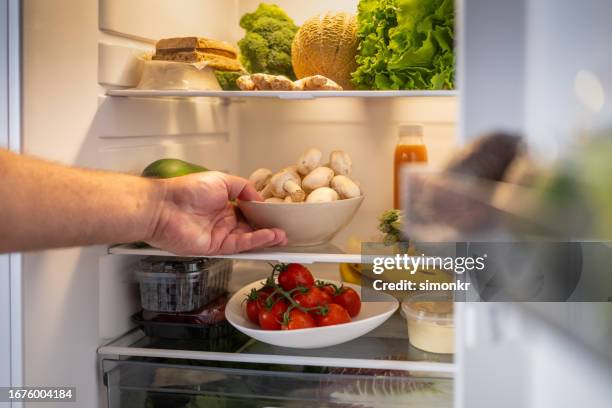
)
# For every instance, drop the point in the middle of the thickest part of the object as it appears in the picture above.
(195, 217)
(45, 205)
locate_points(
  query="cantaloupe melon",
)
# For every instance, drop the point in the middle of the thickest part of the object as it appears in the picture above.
(326, 45)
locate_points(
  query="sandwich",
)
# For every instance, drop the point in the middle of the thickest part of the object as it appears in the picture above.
(218, 55)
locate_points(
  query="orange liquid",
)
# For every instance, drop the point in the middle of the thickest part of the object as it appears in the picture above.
(416, 153)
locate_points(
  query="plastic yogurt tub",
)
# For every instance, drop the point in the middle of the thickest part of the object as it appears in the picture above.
(430, 321)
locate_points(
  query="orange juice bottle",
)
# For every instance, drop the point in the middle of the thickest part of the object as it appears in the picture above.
(410, 149)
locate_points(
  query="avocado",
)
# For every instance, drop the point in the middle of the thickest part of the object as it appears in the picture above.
(168, 168)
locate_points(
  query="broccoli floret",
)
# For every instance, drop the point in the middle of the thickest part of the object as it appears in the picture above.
(266, 47)
(264, 10)
(390, 224)
(227, 79)
(254, 52)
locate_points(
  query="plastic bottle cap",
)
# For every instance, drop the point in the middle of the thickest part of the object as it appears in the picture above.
(411, 129)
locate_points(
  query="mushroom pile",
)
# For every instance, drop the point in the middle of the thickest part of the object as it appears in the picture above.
(308, 180)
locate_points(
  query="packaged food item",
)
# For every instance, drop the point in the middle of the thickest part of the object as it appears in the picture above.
(164, 75)
(211, 313)
(430, 320)
(410, 149)
(216, 54)
(206, 323)
(195, 63)
(172, 284)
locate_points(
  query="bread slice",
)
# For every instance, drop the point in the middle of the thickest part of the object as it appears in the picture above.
(182, 44)
(203, 50)
(214, 61)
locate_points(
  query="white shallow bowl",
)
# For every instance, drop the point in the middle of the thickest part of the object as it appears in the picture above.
(372, 315)
(306, 224)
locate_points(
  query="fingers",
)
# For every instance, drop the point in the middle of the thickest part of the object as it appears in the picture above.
(237, 187)
(239, 241)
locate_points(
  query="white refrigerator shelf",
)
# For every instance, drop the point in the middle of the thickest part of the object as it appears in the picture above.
(385, 348)
(322, 254)
(299, 95)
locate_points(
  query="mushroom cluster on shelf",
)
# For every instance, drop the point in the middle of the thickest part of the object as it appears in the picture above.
(308, 180)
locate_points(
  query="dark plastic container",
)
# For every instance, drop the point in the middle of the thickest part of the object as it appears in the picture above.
(183, 331)
(207, 325)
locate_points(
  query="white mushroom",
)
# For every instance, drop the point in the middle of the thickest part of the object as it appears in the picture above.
(319, 177)
(266, 192)
(260, 178)
(346, 187)
(341, 163)
(274, 200)
(309, 161)
(322, 195)
(293, 168)
(287, 182)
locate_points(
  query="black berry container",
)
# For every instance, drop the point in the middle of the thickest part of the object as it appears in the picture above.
(175, 285)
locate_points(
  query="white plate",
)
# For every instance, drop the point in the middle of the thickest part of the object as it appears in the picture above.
(372, 315)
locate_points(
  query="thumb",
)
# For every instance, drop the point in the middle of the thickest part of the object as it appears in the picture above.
(240, 188)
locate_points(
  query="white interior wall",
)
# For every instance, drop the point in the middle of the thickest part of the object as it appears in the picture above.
(299, 11)
(274, 133)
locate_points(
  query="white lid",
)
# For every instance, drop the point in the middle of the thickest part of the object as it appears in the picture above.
(411, 129)
(435, 307)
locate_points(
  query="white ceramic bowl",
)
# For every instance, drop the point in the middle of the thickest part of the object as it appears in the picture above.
(305, 223)
(372, 315)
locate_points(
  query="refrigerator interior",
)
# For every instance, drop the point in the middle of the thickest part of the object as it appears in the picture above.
(77, 299)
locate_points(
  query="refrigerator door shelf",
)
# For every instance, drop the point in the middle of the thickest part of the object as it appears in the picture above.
(147, 93)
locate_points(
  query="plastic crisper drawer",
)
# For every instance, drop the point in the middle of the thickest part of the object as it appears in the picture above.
(178, 384)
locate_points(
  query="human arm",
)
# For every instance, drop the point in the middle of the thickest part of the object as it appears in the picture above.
(45, 205)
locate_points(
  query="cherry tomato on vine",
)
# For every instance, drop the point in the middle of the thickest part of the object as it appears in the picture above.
(298, 319)
(312, 297)
(349, 299)
(331, 315)
(252, 310)
(272, 317)
(255, 302)
(294, 275)
(328, 288)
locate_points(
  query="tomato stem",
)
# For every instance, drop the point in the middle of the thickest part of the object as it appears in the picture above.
(287, 294)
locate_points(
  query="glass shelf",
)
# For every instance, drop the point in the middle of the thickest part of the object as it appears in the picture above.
(385, 348)
(324, 254)
(298, 95)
